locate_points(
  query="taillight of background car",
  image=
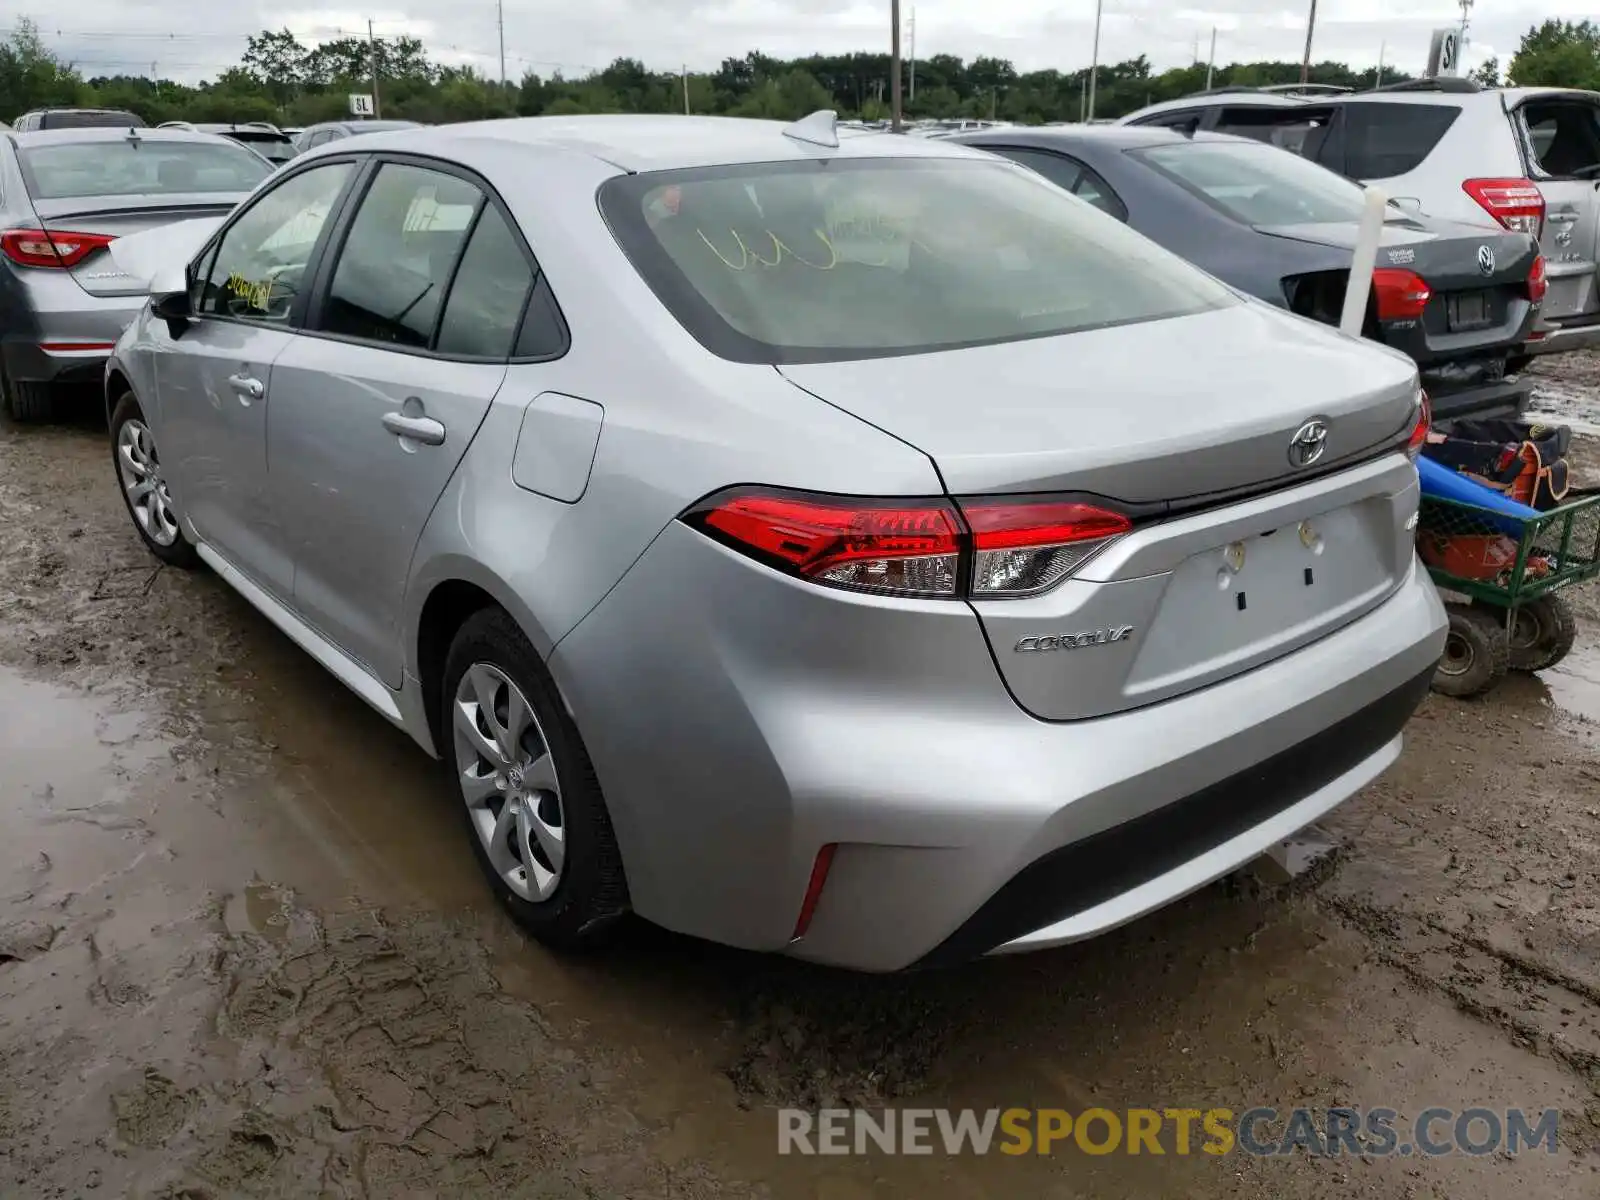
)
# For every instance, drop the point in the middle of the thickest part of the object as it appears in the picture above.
(50, 248)
(1518, 204)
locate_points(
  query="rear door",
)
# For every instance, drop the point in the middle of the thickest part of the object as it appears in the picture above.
(408, 343)
(1561, 139)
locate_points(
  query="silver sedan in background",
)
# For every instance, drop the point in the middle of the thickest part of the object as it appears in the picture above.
(844, 545)
(65, 195)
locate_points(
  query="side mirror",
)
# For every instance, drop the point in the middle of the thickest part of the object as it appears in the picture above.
(169, 296)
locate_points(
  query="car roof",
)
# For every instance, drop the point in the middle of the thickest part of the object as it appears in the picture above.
(107, 133)
(1115, 137)
(648, 142)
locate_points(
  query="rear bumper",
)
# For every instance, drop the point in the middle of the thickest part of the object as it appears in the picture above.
(33, 361)
(1580, 334)
(1503, 398)
(738, 721)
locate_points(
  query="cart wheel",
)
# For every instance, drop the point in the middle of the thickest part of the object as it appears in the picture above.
(1542, 633)
(1476, 651)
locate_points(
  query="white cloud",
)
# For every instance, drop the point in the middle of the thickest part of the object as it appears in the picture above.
(108, 36)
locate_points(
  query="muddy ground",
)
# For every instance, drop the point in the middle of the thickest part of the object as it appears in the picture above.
(244, 951)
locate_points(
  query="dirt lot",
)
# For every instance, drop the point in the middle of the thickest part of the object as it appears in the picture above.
(243, 951)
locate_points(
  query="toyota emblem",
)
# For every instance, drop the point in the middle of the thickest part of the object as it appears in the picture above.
(1308, 443)
(1485, 261)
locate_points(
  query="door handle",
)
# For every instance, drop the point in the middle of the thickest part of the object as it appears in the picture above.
(415, 429)
(248, 388)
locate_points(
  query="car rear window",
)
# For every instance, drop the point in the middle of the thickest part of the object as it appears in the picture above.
(128, 166)
(1384, 140)
(90, 119)
(836, 259)
(1257, 184)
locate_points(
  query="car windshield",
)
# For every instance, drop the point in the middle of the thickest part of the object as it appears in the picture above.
(1257, 184)
(128, 166)
(837, 259)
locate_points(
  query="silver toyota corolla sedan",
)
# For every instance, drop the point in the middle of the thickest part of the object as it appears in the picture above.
(65, 196)
(844, 545)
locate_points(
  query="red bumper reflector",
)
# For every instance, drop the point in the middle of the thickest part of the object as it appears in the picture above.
(819, 876)
(63, 347)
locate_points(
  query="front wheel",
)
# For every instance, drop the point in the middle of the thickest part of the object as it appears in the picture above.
(1476, 651)
(533, 806)
(144, 487)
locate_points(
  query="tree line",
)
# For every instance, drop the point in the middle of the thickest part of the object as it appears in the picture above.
(281, 80)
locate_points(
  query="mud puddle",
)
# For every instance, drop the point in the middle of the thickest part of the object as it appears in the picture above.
(245, 951)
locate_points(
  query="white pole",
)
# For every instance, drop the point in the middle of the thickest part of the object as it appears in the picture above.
(913, 32)
(1366, 256)
(1211, 63)
(1377, 79)
(1094, 59)
(500, 19)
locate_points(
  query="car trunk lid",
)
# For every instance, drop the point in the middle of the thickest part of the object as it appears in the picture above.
(118, 217)
(1240, 556)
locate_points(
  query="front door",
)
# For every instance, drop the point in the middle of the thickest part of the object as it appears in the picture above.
(1563, 143)
(376, 404)
(216, 390)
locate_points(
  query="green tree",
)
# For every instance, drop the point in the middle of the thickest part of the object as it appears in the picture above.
(1488, 72)
(32, 77)
(277, 61)
(1558, 54)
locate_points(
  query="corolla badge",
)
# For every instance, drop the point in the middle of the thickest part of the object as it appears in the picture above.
(1308, 443)
(1076, 641)
(1485, 260)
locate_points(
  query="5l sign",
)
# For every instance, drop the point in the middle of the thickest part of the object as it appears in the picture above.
(361, 104)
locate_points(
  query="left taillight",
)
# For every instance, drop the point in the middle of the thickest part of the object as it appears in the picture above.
(1399, 295)
(982, 548)
(50, 248)
(1419, 430)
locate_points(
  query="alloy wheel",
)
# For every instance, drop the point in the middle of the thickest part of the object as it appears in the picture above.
(139, 468)
(509, 782)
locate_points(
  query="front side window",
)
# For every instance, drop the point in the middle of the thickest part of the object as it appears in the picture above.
(838, 259)
(259, 268)
(1257, 184)
(135, 166)
(397, 260)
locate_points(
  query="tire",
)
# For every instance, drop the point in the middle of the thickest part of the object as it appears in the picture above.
(1518, 363)
(1542, 633)
(30, 403)
(568, 905)
(1476, 652)
(154, 517)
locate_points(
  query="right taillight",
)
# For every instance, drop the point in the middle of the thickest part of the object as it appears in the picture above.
(1518, 204)
(1538, 280)
(1419, 431)
(982, 548)
(1399, 295)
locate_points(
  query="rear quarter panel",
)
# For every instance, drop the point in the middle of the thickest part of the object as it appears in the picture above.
(678, 424)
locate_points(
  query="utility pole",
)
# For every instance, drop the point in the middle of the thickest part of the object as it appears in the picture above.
(1305, 63)
(1083, 99)
(1094, 61)
(686, 89)
(1211, 63)
(1377, 78)
(913, 31)
(500, 20)
(372, 43)
(1461, 38)
(896, 116)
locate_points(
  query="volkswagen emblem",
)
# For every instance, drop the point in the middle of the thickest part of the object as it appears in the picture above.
(1308, 443)
(1485, 261)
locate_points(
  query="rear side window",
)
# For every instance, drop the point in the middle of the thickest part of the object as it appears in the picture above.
(837, 259)
(1564, 136)
(1384, 140)
(487, 297)
(1296, 129)
(390, 279)
(1184, 122)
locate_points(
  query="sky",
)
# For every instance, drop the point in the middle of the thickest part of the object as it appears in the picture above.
(140, 36)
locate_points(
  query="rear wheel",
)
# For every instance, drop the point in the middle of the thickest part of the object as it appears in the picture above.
(1542, 633)
(1477, 653)
(30, 403)
(538, 823)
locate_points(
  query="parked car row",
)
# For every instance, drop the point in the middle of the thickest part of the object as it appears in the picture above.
(830, 543)
(1525, 158)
